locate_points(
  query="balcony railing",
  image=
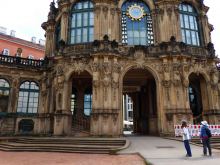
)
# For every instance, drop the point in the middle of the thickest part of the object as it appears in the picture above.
(18, 61)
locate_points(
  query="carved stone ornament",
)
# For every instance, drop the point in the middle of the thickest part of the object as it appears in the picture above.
(78, 67)
(95, 67)
(59, 70)
(106, 80)
(113, 10)
(169, 11)
(106, 68)
(166, 83)
(95, 117)
(105, 10)
(97, 10)
(116, 67)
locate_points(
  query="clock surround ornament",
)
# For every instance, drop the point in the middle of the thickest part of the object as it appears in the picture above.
(135, 12)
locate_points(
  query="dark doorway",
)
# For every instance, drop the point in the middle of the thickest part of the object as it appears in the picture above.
(197, 92)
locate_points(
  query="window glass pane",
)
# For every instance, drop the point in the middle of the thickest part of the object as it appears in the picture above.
(181, 20)
(79, 19)
(190, 8)
(186, 20)
(196, 27)
(143, 41)
(91, 19)
(136, 41)
(91, 34)
(191, 20)
(197, 37)
(86, 5)
(91, 4)
(87, 112)
(188, 37)
(3, 83)
(78, 36)
(79, 5)
(73, 20)
(193, 34)
(183, 36)
(85, 19)
(85, 34)
(184, 8)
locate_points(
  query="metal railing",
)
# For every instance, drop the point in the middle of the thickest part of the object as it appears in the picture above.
(18, 61)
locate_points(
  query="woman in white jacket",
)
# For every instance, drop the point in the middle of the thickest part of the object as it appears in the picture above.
(186, 138)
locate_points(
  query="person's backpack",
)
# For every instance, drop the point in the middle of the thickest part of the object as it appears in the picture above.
(208, 132)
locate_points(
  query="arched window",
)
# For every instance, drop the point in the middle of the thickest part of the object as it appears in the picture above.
(4, 88)
(189, 24)
(4, 95)
(73, 101)
(88, 101)
(82, 22)
(28, 97)
(137, 26)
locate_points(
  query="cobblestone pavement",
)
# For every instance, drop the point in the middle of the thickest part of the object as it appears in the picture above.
(49, 158)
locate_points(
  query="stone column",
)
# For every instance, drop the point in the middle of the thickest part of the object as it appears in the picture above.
(62, 116)
(64, 24)
(13, 98)
(50, 39)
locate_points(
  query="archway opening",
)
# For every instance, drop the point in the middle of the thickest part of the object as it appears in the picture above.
(81, 102)
(197, 96)
(139, 103)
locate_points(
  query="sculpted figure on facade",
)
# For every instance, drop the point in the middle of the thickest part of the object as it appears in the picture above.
(166, 75)
(176, 75)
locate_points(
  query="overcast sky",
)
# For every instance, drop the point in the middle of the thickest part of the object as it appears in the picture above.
(26, 17)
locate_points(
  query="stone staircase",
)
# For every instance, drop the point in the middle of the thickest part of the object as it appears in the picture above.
(66, 145)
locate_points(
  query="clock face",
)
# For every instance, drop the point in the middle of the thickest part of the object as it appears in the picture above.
(135, 12)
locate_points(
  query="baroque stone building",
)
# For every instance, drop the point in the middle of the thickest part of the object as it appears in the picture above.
(159, 52)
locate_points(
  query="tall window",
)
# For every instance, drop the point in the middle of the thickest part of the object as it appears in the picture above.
(4, 95)
(88, 101)
(4, 88)
(28, 97)
(82, 22)
(189, 24)
(137, 26)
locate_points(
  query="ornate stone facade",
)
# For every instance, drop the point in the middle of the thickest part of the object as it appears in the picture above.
(158, 76)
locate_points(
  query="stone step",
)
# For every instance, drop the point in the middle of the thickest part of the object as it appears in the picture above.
(76, 145)
(120, 143)
(55, 149)
(101, 140)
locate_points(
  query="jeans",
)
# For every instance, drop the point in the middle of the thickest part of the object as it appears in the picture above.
(206, 144)
(187, 146)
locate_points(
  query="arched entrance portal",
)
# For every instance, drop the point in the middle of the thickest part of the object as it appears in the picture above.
(139, 102)
(80, 102)
(197, 96)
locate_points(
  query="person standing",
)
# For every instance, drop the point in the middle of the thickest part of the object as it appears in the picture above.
(205, 135)
(186, 137)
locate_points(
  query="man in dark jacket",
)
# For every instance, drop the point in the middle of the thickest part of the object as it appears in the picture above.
(205, 139)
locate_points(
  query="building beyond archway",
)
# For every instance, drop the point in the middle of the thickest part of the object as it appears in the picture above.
(140, 85)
